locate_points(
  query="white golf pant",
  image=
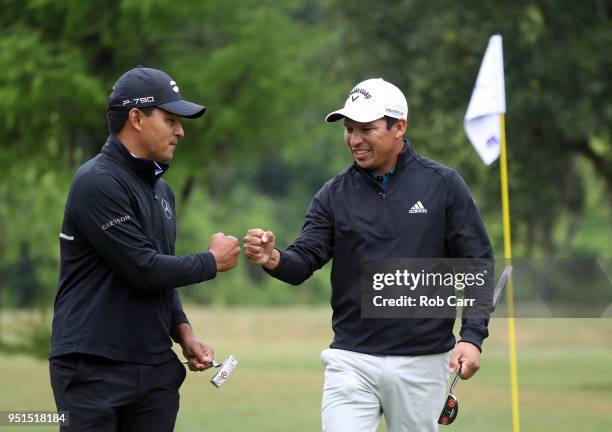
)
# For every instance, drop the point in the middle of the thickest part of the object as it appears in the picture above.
(409, 391)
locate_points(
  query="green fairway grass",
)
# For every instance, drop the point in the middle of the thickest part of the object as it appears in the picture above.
(564, 372)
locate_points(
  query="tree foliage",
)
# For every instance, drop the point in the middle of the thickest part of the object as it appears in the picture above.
(257, 66)
(268, 72)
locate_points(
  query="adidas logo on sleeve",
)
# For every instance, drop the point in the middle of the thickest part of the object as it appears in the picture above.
(418, 208)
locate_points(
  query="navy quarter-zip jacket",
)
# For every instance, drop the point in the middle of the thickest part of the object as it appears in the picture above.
(117, 295)
(352, 219)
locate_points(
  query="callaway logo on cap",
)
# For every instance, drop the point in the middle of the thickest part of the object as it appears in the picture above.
(146, 87)
(370, 100)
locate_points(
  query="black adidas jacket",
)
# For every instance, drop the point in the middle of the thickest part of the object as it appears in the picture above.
(117, 294)
(351, 219)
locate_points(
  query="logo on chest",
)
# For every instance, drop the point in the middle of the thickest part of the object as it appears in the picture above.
(418, 207)
(167, 209)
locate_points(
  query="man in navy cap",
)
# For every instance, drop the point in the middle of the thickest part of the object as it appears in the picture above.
(117, 307)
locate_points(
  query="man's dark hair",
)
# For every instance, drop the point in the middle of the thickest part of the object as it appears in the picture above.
(390, 121)
(116, 118)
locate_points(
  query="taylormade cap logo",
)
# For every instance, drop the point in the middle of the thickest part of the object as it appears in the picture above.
(370, 100)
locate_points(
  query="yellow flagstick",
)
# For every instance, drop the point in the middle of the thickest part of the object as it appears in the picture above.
(509, 294)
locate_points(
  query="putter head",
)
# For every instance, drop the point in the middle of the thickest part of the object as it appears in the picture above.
(228, 365)
(450, 410)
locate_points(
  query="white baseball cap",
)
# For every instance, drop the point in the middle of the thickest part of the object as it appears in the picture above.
(370, 100)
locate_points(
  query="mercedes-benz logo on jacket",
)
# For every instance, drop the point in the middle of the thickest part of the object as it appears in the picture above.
(167, 209)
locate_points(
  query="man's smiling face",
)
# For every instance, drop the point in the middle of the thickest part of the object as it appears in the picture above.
(373, 146)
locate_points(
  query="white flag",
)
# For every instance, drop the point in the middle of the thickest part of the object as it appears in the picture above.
(488, 102)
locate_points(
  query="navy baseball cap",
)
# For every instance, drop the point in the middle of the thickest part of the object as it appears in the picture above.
(145, 87)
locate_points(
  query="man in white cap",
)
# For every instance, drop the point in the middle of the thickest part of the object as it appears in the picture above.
(391, 203)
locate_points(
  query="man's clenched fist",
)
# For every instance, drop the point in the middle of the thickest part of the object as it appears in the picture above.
(226, 251)
(259, 247)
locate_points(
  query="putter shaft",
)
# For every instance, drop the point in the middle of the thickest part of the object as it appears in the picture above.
(214, 363)
(452, 386)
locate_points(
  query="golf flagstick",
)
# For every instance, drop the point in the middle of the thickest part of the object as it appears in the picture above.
(485, 126)
(503, 168)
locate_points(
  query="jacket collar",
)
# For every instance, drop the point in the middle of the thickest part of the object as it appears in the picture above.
(144, 168)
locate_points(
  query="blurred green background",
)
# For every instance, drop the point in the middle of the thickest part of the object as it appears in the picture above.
(268, 72)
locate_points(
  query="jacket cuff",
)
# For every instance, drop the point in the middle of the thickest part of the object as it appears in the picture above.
(209, 270)
(280, 270)
(472, 336)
